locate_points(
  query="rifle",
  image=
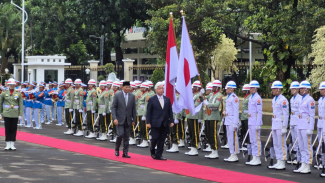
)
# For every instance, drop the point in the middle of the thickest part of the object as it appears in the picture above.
(318, 147)
(95, 122)
(222, 121)
(268, 139)
(292, 149)
(244, 142)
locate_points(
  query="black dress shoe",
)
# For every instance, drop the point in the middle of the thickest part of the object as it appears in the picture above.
(161, 158)
(125, 155)
(117, 153)
(153, 156)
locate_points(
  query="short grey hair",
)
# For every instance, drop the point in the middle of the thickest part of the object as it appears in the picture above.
(159, 84)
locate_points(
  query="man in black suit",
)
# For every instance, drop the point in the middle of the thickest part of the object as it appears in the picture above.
(159, 119)
(124, 115)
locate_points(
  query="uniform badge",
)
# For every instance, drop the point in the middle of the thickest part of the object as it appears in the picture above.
(236, 100)
(106, 95)
(16, 96)
(312, 104)
(258, 101)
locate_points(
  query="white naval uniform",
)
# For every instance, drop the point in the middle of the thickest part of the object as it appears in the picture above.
(294, 106)
(232, 121)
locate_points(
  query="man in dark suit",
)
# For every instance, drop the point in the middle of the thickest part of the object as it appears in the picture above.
(124, 115)
(159, 119)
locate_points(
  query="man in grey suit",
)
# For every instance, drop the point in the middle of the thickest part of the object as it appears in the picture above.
(124, 115)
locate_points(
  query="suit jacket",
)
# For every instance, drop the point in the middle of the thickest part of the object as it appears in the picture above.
(156, 115)
(120, 111)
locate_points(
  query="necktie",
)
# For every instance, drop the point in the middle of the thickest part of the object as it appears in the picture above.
(126, 99)
(160, 100)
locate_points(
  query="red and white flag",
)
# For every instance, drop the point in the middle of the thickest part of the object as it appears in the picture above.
(186, 70)
(171, 67)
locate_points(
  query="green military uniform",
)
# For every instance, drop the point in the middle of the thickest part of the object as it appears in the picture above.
(108, 109)
(77, 104)
(91, 102)
(211, 117)
(68, 101)
(141, 111)
(192, 121)
(103, 105)
(244, 118)
(11, 107)
(112, 94)
(138, 95)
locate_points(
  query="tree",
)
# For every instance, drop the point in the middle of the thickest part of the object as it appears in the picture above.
(223, 57)
(109, 68)
(158, 75)
(10, 31)
(318, 54)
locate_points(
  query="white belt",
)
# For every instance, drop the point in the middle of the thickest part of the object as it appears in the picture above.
(68, 100)
(321, 117)
(37, 101)
(11, 106)
(76, 101)
(252, 115)
(90, 102)
(29, 100)
(60, 100)
(141, 106)
(101, 105)
(48, 99)
(245, 111)
(277, 117)
(304, 116)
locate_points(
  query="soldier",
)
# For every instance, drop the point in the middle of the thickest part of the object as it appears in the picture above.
(49, 104)
(11, 109)
(279, 125)
(320, 121)
(37, 106)
(254, 123)
(208, 90)
(141, 113)
(232, 121)
(22, 91)
(194, 120)
(109, 89)
(103, 102)
(84, 88)
(56, 89)
(78, 107)
(294, 105)
(211, 118)
(68, 106)
(116, 86)
(244, 121)
(29, 105)
(305, 127)
(91, 102)
(138, 93)
(174, 131)
(60, 104)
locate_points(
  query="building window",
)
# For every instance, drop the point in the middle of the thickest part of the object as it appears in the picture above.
(131, 50)
(48, 60)
(42, 60)
(53, 60)
(59, 60)
(50, 75)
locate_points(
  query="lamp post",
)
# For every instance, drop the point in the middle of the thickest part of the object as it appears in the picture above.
(22, 36)
(29, 72)
(87, 72)
(251, 36)
(6, 71)
(101, 38)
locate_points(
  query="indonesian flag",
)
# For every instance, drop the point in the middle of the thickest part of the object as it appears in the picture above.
(186, 70)
(171, 67)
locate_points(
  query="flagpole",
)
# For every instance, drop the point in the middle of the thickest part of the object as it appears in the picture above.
(182, 12)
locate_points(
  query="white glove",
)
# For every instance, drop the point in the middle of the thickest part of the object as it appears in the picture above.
(200, 120)
(93, 112)
(283, 130)
(205, 102)
(258, 127)
(143, 118)
(19, 117)
(176, 121)
(291, 127)
(235, 127)
(310, 132)
(104, 113)
(80, 110)
(110, 111)
(202, 91)
(70, 110)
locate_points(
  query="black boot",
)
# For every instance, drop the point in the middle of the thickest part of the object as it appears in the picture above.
(271, 163)
(297, 167)
(323, 173)
(248, 159)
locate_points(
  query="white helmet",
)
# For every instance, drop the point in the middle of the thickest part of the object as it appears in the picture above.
(150, 84)
(132, 84)
(276, 84)
(304, 84)
(209, 86)
(245, 87)
(197, 84)
(322, 85)
(254, 84)
(116, 83)
(77, 82)
(109, 82)
(11, 82)
(231, 84)
(102, 83)
(294, 84)
(92, 82)
(216, 83)
(144, 85)
(69, 81)
(137, 83)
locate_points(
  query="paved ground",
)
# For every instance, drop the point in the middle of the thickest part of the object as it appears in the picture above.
(32, 163)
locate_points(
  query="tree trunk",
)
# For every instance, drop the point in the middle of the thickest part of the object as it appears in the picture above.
(4, 62)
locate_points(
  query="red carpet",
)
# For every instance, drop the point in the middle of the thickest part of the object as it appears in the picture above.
(171, 166)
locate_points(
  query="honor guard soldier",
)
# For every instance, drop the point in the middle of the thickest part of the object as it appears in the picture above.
(294, 106)
(56, 89)
(103, 102)
(141, 113)
(174, 131)
(60, 104)
(11, 109)
(49, 104)
(232, 121)
(91, 102)
(305, 128)
(138, 95)
(193, 120)
(68, 106)
(244, 121)
(320, 121)
(109, 89)
(37, 106)
(22, 92)
(212, 116)
(254, 123)
(78, 107)
(29, 105)
(279, 125)
(116, 86)
(208, 90)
